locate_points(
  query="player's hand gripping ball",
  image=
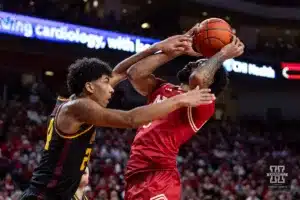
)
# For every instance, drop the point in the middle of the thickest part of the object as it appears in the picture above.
(211, 36)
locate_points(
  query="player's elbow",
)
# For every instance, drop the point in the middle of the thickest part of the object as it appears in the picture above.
(132, 73)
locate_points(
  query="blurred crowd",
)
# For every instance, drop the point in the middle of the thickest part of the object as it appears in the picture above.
(225, 160)
(268, 45)
(84, 12)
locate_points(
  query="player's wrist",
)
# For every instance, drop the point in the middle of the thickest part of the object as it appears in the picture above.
(155, 48)
(179, 101)
(222, 55)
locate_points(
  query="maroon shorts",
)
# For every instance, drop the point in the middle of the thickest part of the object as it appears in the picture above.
(155, 185)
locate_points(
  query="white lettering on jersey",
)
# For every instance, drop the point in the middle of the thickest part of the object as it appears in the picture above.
(159, 197)
(159, 98)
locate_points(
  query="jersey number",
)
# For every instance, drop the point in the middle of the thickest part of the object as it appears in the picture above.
(86, 159)
(49, 134)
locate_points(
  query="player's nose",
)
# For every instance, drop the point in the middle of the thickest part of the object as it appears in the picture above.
(111, 90)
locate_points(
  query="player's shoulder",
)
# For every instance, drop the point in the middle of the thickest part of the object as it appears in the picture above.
(163, 85)
(166, 89)
(78, 106)
(170, 89)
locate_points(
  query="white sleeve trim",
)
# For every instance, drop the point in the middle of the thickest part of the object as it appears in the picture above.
(159, 197)
(191, 121)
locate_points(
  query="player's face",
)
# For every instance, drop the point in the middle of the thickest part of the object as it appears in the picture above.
(85, 178)
(101, 90)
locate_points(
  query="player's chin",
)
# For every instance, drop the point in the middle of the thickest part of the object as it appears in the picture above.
(106, 102)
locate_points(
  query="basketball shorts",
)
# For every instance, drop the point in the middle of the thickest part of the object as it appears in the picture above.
(156, 185)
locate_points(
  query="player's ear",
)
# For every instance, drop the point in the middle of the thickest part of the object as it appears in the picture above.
(89, 87)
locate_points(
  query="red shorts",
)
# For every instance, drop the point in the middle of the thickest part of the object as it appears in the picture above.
(156, 185)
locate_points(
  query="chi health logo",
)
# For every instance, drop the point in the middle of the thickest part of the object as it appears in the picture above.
(277, 174)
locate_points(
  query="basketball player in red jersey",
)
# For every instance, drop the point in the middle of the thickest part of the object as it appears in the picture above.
(71, 126)
(151, 172)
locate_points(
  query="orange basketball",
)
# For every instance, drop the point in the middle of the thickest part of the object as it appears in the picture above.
(214, 34)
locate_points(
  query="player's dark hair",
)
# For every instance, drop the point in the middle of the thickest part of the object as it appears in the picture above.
(220, 79)
(85, 70)
(184, 74)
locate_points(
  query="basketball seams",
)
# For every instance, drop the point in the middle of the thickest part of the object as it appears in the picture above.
(207, 29)
(216, 38)
(215, 20)
(214, 34)
(219, 29)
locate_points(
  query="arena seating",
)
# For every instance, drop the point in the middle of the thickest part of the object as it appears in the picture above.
(226, 160)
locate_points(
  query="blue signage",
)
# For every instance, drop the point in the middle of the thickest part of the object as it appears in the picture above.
(30, 27)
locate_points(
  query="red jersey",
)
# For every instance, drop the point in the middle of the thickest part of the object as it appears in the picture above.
(156, 144)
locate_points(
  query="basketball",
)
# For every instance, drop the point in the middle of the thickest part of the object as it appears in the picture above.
(214, 34)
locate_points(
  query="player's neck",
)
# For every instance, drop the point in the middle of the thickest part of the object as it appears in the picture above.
(79, 193)
(185, 87)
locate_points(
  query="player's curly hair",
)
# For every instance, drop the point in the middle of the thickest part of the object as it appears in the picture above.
(85, 70)
(221, 80)
(184, 74)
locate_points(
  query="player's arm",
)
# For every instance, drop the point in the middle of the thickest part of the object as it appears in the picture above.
(119, 72)
(89, 112)
(205, 72)
(141, 73)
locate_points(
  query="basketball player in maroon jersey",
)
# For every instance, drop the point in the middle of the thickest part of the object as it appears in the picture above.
(151, 169)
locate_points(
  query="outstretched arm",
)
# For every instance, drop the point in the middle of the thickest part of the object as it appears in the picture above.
(119, 72)
(140, 74)
(89, 112)
(204, 74)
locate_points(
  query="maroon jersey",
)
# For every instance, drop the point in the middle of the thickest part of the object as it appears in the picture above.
(156, 144)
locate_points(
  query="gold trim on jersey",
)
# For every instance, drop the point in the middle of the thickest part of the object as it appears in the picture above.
(72, 136)
(83, 197)
(62, 98)
(68, 136)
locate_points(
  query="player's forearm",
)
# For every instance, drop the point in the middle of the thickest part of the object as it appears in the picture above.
(145, 114)
(119, 72)
(147, 66)
(204, 74)
(125, 64)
